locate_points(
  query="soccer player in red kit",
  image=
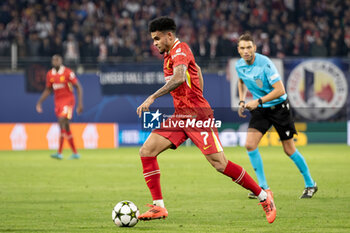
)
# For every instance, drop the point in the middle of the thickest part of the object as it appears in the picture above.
(61, 80)
(184, 82)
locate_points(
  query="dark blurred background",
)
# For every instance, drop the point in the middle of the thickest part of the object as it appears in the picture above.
(91, 31)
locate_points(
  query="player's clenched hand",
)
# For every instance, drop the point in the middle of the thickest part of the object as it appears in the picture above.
(241, 109)
(39, 109)
(145, 106)
(80, 109)
(251, 105)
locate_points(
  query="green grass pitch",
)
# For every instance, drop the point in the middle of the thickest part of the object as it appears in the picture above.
(39, 194)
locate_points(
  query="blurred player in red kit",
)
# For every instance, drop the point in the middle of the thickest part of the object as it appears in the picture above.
(61, 80)
(184, 82)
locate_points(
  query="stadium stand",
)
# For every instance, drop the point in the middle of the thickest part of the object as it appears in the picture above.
(94, 31)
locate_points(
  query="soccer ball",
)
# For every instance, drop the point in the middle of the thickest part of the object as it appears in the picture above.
(125, 214)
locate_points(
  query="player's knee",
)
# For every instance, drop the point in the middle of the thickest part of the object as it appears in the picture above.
(219, 166)
(220, 169)
(250, 146)
(143, 151)
(146, 151)
(288, 151)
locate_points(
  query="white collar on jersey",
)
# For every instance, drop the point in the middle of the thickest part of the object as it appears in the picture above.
(60, 70)
(176, 42)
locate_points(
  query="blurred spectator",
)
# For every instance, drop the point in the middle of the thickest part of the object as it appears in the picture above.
(277, 47)
(126, 50)
(43, 27)
(102, 50)
(33, 45)
(334, 49)
(5, 13)
(201, 48)
(71, 50)
(4, 43)
(265, 44)
(21, 46)
(318, 49)
(87, 50)
(46, 48)
(57, 47)
(213, 41)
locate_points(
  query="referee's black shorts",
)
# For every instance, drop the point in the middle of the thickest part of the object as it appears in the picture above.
(279, 116)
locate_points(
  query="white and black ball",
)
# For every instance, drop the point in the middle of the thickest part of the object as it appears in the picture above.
(125, 214)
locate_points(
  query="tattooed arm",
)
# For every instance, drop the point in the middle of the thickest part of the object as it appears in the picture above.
(178, 78)
(201, 82)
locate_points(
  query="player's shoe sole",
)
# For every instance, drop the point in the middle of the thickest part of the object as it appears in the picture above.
(57, 156)
(155, 212)
(74, 156)
(149, 218)
(309, 192)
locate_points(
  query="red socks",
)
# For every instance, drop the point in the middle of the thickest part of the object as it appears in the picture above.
(239, 175)
(61, 140)
(68, 135)
(151, 173)
(71, 142)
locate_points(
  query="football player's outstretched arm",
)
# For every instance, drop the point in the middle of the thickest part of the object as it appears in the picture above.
(201, 81)
(178, 78)
(43, 97)
(80, 97)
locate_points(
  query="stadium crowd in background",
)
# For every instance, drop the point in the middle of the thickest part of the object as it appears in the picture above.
(94, 30)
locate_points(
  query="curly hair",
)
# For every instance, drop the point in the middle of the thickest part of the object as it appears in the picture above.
(162, 24)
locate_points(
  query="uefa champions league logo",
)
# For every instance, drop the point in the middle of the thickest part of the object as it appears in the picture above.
(152, 120)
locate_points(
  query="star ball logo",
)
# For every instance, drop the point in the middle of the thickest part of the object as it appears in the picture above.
(152, 120)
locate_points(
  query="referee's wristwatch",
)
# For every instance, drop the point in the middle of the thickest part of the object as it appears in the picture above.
(260, 102)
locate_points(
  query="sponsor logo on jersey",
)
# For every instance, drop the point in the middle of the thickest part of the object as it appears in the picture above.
(177, 54)
(62, 79)
(317, 89)
(57, 86)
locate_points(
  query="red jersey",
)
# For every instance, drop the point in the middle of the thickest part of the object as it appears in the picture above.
(188, 97)
(62, 84)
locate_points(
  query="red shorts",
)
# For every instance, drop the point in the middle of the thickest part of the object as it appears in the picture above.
(64, 110)
(205, 138)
